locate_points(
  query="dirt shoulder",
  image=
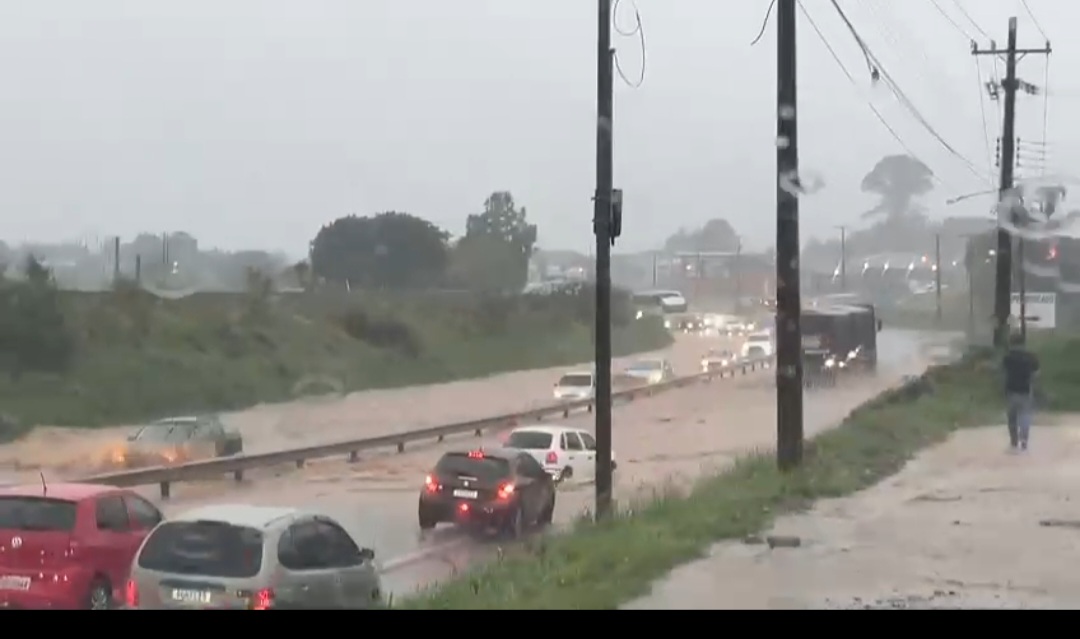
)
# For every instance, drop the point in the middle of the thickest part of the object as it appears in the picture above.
(964, 525)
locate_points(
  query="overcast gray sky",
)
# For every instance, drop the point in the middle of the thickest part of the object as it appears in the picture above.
(249, 123)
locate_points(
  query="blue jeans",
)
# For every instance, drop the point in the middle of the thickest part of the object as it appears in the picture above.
(1020, 407)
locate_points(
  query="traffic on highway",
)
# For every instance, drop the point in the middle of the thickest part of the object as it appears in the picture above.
(347, 533)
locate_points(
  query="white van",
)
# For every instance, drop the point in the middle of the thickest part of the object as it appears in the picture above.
(575, 385)
(759, 344)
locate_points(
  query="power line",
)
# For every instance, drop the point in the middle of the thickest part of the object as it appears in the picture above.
(843, 67)
(949, 18)
(1031, 14)
(982, 113)
(637, 30)
(878, 71)
(967, 15)
(764, 23)
(1046, 106)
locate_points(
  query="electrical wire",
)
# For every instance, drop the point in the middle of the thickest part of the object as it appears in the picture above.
(637, 30)
(982, 113)
(967, 15)
(764, 23)
(843, 67)
(1046, 107)
(954, 23)
(1031, 14)
(879, 72)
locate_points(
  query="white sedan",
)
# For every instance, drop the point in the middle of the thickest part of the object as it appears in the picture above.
(564, 452)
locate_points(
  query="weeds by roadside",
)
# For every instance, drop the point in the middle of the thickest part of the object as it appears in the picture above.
(135, 355)
(601, 566)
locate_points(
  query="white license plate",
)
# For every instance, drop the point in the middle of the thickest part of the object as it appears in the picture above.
(13, 582)
(466, 494)
(191, 596)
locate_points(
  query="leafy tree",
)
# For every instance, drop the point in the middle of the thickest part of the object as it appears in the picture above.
(503, 228)
(480, 263)
(388, 250)
(717, 235)
(34, 335)
(898, 180)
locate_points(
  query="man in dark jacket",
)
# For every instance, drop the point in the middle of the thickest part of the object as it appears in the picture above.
(1020, 368)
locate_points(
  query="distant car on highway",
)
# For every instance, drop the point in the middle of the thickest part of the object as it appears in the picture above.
(243, 557)
(759, 344)
(716, 360)
(176, 440)
(500, 490)
(565, 453)
(69, 546)
(575, 385)
(650, 371)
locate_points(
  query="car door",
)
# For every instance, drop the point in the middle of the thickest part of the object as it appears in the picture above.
(356, 579)
(589, 444)
(114, 541)
(579, 460)
(569, 456)
(308, 581)
(209, 437)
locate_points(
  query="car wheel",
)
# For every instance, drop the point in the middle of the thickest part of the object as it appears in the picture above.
(427, 522)
(515, 525)
(548, 514)
(566, 474)
(100, 596)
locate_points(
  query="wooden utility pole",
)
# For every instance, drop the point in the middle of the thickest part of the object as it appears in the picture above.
(1009, 85)
(789, 373)
(603, 201)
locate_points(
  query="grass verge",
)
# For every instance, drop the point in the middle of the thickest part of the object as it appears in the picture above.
(136, 357)
(601, 566)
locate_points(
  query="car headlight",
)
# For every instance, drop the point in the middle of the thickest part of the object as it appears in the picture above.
(829, 363)
(853, 354)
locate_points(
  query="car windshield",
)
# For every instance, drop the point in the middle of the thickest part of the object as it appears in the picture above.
(37, 514)
(165, 431)
(482, 468)
(529, 440)
(204, 548)
(575, 380)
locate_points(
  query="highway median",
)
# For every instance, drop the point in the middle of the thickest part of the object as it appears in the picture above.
(602, 566)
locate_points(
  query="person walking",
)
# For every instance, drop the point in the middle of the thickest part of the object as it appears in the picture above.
(1020, 366)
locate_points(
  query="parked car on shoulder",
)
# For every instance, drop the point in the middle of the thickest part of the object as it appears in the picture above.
(243, 557)
(69, 546)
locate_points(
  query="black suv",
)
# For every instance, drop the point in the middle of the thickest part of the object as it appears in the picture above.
(505, 490)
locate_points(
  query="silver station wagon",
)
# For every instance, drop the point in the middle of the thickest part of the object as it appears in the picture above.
(254, 558)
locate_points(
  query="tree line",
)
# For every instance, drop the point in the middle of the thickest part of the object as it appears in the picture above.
(396, 250)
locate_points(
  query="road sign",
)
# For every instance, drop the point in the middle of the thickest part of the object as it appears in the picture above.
(1040, 309)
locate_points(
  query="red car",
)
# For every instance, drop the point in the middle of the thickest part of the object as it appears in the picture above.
(69, 546)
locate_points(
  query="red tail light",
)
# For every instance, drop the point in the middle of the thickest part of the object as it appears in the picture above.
(263, 599)
(505, 491)
(431, 484)
(131, 594)
(552, 458)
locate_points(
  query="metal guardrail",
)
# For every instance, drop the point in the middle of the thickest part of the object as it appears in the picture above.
(165, 476)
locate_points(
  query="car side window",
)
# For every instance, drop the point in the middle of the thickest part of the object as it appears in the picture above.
(301, 547)
(342, 551)
(572, 442)
(587, 439)
(530, 468)
(209, 429)
(142, 513)
(111, 514)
